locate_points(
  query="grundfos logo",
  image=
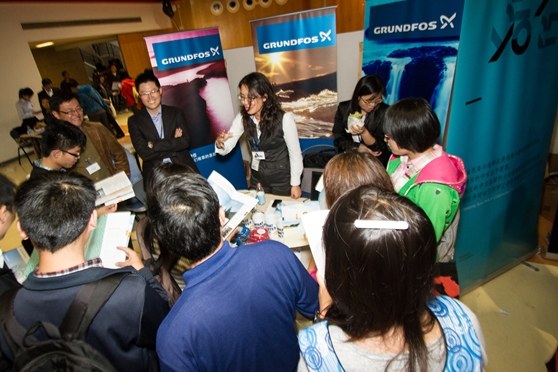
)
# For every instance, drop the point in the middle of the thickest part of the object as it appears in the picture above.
(323, 36)
(445, 21)
(191, 57)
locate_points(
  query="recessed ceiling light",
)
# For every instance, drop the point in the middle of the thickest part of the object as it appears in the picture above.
(43, 45)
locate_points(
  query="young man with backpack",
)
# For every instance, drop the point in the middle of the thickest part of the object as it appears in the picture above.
(124, 307)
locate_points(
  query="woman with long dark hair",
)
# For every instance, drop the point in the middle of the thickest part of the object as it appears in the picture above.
(272, 137)
(358, 122)
(380, 314)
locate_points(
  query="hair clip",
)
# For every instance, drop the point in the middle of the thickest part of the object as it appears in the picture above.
(381, 224)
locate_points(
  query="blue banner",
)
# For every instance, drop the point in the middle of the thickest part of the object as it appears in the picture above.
(305, 33)
(501, 120)
(193, 77)
(186, 52)
(425, 19)
(413, 63)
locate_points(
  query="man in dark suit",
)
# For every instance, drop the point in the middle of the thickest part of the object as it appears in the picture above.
(44, 96)
(158, 132)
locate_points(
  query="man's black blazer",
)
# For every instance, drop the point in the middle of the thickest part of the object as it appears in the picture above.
(142, 131)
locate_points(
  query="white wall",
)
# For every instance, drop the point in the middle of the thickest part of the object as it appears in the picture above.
(18, 68)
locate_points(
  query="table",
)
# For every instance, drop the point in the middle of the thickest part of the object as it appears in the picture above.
(294, 236)
(35, 140)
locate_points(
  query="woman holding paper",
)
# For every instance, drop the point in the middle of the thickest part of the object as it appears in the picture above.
(272, 137)
(379, 265)
(358, 122)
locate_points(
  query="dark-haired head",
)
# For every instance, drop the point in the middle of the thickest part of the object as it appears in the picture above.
(351, 169)
(183, 212)
(379, 279)
(62, 136)
(145, 77)
(55, 209)
(60, 97)
(412, 124)
(259, 87)
(367, 85)
(25, 92)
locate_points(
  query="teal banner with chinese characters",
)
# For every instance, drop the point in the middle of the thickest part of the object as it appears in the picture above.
(500, 123)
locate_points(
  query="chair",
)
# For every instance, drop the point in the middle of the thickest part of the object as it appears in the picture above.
(15, 133)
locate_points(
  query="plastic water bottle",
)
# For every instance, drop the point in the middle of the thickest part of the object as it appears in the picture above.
(260, 194)
(279, 223)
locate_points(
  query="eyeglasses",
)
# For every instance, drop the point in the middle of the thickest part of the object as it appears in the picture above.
(75, 155)
(250, 98)
(76, 111)
(151, 92)
(372, 101)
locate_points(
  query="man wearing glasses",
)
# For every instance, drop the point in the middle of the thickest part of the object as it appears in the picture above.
(158, 132)
(103, 156)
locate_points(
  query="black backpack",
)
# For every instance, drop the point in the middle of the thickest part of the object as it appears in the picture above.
(65, 348)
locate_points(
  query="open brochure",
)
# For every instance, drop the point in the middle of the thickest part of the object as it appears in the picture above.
(114, 189)
(313, 223)
(16, 259)
(113, 230)
(236, 205)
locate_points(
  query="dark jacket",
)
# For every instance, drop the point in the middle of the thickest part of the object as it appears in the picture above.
(125, 328)
(343, 141)
(142, 131)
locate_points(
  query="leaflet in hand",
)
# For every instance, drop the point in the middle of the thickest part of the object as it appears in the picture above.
(235, 204)
(114, 189)
(113, 230)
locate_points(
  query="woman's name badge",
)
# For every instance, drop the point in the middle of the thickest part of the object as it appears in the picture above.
(258, 155)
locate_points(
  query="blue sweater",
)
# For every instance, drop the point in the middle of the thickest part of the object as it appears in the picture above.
(237, 312)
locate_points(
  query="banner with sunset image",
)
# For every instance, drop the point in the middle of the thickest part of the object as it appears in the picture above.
(298, 54)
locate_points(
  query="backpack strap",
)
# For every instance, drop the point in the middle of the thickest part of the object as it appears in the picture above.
(87, 303)
(317, 349)
(12, 329)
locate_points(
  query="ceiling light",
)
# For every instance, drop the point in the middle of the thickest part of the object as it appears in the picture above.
(43, 45)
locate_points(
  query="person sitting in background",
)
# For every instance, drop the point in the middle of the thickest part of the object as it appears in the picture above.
(368, 107)
(44, 95)
(26, 111)
(238, 309)
(380, 251)
(57, 213)
(104, 156)
(422, 171)
(7, 217)
(271, 134)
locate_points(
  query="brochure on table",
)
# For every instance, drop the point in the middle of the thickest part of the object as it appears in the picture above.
(235, 204)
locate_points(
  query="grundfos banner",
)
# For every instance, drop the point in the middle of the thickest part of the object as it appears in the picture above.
(423, 19)
(304, 33)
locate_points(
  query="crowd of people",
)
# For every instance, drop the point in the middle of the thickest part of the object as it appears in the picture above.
(393, 196)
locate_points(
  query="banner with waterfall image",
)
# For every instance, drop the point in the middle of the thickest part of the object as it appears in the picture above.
(412, 46)
(193, 76)
(298, 54)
